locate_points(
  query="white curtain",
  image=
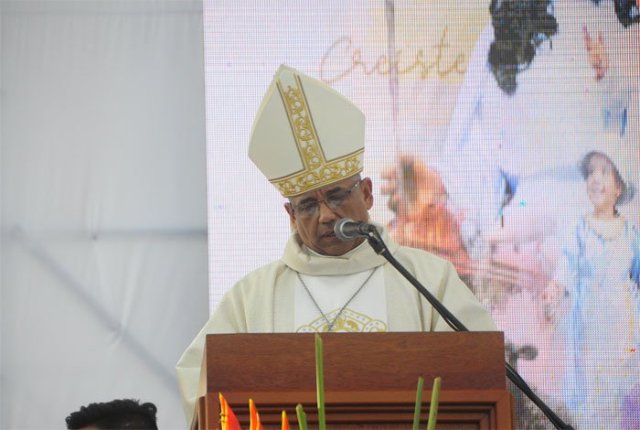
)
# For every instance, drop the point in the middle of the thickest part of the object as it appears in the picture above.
(103, 204)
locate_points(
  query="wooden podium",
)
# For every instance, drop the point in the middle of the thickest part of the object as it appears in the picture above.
(370, 379)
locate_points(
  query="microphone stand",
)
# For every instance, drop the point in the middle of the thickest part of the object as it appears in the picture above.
(380, 248)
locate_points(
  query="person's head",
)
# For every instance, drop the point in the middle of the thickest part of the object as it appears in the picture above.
(314, 213)
(123, 414)
(519, 28)
(627, 11)
(605, 186)
(308, 140)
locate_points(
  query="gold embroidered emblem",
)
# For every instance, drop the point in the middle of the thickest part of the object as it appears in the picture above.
(350, 322)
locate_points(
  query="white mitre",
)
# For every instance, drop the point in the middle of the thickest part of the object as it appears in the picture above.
(306, 135)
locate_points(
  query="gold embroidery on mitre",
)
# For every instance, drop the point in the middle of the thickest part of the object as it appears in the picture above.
(317, 171)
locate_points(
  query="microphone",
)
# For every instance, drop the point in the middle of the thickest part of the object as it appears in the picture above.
(347, 229)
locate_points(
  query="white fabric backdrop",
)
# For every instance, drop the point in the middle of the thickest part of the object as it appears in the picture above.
(104, 265)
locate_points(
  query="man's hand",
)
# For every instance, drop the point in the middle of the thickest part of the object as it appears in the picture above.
(597, 51)
(553, 297)
(412, 188)
(418, 198)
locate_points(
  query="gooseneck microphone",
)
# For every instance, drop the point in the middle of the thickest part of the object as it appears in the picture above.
(351, 229)
(347, 229)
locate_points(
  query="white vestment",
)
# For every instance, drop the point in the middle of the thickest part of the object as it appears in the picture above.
(263, 301)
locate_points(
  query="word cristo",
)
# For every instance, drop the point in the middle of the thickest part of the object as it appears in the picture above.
(343, 49)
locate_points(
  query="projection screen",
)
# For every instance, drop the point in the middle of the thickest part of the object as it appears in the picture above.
(492, 130)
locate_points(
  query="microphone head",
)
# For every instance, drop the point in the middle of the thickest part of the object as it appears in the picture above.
(338, 229)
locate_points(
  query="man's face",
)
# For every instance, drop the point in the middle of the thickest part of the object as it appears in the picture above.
(314, 213)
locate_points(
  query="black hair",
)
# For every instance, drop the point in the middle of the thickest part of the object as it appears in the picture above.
(117, 414)
(626, 10)
(519, 27)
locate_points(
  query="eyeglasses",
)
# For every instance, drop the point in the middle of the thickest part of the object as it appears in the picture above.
(310, 208)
